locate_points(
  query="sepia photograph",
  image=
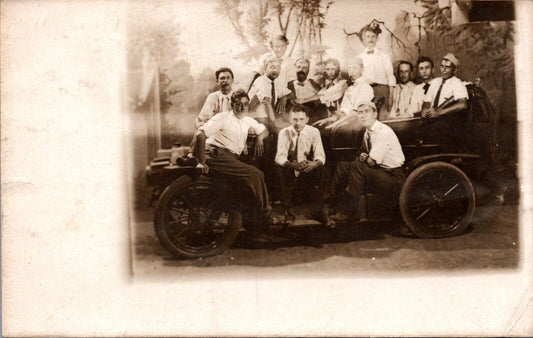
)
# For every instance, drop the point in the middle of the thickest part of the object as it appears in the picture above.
(266, 168)
(323, 136)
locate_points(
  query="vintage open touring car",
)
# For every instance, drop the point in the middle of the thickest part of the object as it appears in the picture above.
(201, 215)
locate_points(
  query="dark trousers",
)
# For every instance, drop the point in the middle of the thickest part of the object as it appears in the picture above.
(382, 91)
(305, 180)
(356, 176)
(224, 162)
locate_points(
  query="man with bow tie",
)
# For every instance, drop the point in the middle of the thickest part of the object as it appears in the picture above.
(401, 95)
(379, 166)
(424, 67)
(305, 90)
(378, 69)
(446, 94)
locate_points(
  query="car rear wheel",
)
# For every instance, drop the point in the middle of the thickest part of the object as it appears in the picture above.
(192, 219)
(437, 200)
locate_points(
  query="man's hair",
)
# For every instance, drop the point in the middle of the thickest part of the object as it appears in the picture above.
(223, 70)
(269, 59)
(238, 95)
(303, 59)
(297, 108)
(334, 62)
(424, 59)
(403, 62)
(281, 38)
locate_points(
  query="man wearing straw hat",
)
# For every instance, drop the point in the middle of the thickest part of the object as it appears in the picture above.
(447, 94)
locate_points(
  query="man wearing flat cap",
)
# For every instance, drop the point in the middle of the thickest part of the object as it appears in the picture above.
(379, 166)
(447, 94)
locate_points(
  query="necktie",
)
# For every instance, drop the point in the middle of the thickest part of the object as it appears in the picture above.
(300, 84)
(368, 143)
(294, 155)
(370, 52)
(273, 96)
(426, 87)
(399, 99)
(437, 97)
(224, 103)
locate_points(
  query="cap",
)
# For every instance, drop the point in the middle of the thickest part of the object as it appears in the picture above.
(269, 59)
(367, 103)
(450, 57)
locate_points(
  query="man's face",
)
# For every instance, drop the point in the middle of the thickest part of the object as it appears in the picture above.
(299, 120)
(367, 115)
(302, 70)
(355, 70)
(425, 70)
(370, 39)
(272, 69)
(241, 107)
(404, 73)
(447, 69)
(279, 48)
(332, 72)
(225, 80)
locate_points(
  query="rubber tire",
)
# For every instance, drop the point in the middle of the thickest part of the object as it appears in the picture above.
(420, 230)
(179, 186)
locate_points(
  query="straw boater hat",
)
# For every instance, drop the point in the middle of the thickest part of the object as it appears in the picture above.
(450, 57)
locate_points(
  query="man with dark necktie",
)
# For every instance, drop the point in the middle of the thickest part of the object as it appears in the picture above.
(446, 94)
(424, 67)
(378, 167)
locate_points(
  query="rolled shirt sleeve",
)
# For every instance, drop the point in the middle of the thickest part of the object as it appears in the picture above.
(215, 124)
(284, 142)
(257, 127)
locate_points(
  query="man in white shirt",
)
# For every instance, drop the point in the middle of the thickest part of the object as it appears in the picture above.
(357, 92)
(378, 69)
(215, 103)
(222, 139)
(378, 167)
(424, 66)
(447, 94)
(218, 101)
(266, 92)
(401, 95)
(299, 154)
(304, 91)
(287, 73)
(333, 91)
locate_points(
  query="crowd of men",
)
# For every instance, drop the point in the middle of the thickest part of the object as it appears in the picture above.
(288, 115)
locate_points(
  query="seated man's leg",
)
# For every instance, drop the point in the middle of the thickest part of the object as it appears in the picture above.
(286, 176)
(226, 163)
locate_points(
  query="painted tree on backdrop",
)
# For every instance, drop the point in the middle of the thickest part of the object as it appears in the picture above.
(301, 21)
(155, 39)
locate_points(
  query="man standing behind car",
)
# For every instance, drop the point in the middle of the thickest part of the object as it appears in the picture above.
(378, 167)
(424, 67)
(447, 94)
(222, 139)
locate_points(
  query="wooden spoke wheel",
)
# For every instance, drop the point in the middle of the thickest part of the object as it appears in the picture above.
(193, 219)
(437, 200)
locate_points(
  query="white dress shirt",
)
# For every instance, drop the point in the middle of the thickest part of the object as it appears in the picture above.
(377, 67)
(309, 145)
(385, 146)
(417, 98)
(215, 103)
(261, 89)
(332, 96)
(401, 100)
(453, 87)
(304, 90)
(227, 131)
(359, 91)
(287, 71)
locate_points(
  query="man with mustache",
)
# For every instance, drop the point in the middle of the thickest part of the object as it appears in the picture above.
(304, 90)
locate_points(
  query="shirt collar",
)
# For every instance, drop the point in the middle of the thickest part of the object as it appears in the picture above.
(376, 50)
(374, 127)
(294, 133)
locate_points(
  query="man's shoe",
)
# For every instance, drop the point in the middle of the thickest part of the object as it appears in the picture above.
(186, 161)
(328, 222)
(403, 232)
(340, 218)
(289, 215)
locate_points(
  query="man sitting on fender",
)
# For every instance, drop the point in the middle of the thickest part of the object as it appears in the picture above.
(378, 167)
